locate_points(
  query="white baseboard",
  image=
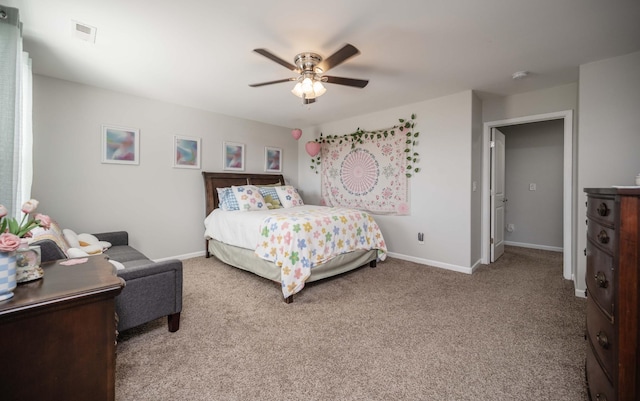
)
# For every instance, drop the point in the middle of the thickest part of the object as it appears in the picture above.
(182, 257)
(535, 246)
(581, 293)
(447, 266)
(476, 265)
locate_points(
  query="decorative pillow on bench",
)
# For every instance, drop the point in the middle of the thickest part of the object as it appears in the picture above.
(71, 244)
(85, 242)
(54, 233)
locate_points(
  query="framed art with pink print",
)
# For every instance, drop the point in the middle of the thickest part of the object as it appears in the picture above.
(120, 145)
(186, 152)
(272, 160)
(233, 156)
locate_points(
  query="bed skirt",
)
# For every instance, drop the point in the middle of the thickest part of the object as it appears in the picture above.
(246, 259)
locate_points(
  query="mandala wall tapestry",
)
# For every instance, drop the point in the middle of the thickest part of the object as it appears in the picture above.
(368, 172)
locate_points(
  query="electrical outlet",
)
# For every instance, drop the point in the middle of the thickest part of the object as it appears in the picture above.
(511, 228)
(532, 187)
(420, 238)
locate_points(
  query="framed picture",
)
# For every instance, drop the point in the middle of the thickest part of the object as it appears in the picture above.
(186, 152)
(120, 145)
(233, 156)
(272, 160)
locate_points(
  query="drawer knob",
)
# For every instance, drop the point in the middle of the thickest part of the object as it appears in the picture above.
(602, 209)
(601, 279)
(603, 340)
(603, 237)
(601, 397)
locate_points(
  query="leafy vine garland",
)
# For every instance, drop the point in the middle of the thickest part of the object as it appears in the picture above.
(405, 126)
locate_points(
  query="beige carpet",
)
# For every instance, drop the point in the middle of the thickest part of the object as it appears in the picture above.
(511, 331)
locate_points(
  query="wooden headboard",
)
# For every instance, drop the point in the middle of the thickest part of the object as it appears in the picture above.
(221, 180)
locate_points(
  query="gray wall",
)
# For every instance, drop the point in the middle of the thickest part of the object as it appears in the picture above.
(609, 142)
(161, 207)
(534, 154)
(557, 98)
(476, 178)
(440, 194)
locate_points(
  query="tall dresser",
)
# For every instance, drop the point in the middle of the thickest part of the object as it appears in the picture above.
(613, 281)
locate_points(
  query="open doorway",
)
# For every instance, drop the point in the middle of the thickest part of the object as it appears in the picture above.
(533, 185)
(567, 187)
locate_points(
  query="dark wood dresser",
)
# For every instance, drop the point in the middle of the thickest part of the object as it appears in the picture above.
(613, 312)
(57, 334)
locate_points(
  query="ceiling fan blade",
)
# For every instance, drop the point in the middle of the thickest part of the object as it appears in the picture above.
(338, 57)
(358, 83)
(275, 58)
(272, 82)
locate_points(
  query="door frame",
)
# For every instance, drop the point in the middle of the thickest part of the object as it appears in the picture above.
(568, 244)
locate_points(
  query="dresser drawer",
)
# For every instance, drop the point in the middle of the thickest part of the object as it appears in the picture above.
(603, 236)
(600, 389)
(600, 333)
(600, 278)
(601, 209)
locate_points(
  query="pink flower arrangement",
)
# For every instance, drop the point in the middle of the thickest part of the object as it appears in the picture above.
(9, 242)
(11, 231)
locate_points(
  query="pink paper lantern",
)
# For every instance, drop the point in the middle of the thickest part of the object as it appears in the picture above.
(296, 133)
(313, 148)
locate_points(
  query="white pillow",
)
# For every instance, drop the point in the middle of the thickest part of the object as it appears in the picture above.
(90, 239)
(85, 242)
(289, 196)
(71, 237)
(75, 253)
(249, 198)
(116, 264)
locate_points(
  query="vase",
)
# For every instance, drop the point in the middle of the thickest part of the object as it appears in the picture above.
(7, 274)
(28, 263)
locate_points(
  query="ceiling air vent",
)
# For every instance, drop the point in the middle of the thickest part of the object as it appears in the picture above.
(83, 31)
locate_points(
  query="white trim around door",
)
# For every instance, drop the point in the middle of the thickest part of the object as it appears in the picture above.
(568, 267)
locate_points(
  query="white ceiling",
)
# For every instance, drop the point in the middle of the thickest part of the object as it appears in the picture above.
(198, 53)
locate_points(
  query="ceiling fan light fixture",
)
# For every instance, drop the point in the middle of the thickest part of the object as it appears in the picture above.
(307, 86)
(318, 88)
(297, 90)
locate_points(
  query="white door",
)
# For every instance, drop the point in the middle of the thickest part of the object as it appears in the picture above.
(497, 194)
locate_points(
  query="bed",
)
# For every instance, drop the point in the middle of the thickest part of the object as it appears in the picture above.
(262, 259)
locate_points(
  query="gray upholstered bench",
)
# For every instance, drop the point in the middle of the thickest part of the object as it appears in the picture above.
(153, 289)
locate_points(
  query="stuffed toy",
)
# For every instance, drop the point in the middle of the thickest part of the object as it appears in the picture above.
(83, 244)
(272, 203)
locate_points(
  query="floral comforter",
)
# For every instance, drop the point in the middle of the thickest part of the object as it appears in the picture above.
(298, 241)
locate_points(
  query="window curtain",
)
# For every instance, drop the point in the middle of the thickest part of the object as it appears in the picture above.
(16, 135)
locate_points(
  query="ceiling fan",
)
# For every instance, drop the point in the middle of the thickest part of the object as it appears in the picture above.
(310, 68)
